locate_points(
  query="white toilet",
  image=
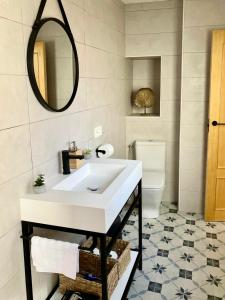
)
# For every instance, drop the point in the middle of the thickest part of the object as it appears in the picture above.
(153, 155)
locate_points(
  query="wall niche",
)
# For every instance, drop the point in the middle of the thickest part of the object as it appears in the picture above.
(146, 74)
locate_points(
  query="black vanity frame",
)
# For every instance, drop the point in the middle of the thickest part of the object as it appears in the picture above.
(30, 50)
(27, 231)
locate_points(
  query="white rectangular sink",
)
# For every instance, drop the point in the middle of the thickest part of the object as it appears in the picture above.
(91, 178)
(88, 199)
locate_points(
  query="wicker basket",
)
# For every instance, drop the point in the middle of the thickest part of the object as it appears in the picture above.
(90, 263)
(122, 248)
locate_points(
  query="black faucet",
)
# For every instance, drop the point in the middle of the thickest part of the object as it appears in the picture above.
(66, 160)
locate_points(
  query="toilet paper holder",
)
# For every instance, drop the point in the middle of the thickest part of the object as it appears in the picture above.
(100, 151)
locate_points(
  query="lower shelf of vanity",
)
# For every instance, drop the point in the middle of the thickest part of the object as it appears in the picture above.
(119, 290)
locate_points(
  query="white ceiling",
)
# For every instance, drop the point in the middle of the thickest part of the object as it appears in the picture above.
(139, 1)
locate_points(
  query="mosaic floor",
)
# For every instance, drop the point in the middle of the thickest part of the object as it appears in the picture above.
(183, 257)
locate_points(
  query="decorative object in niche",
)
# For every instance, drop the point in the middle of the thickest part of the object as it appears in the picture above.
(52, 61)
(144, 98)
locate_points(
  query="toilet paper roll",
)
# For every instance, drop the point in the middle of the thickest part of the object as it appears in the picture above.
(109, 150)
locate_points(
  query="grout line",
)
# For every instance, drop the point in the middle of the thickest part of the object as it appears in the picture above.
(15, 126)
(209, 26)
(15, 177)
(153, 33)
(150, 9)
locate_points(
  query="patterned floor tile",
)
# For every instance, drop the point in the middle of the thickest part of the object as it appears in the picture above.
(212, 289)
(141, 283)
(183, 257)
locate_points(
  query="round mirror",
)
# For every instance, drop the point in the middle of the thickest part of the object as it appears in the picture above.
(53, 64)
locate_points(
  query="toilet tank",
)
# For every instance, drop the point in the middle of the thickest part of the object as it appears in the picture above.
(151, 153)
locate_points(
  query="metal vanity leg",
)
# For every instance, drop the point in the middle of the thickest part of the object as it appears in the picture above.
(140, 223)
(103, 267)
(27, 231)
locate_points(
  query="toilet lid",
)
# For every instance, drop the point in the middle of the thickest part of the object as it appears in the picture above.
(153, 179)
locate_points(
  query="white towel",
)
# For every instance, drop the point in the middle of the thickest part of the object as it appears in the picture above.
(53, 256)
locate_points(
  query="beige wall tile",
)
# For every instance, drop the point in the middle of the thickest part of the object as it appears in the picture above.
(195, 89)
(153, 5)
(79, 126)
(207, 12)
(13, 101)
(100, 35)
(195, 65)
(170, 66)
(76, 20)
(9, 201)
(153, 21)
(170, 89)
(170, 193)
(194, 113)
(11, 10)
(29, 11)
(191, 201)
(94, 7)
(146, 69)
(97, 63)
(120, 43)
(193, 135)
(169, 111)
(192, 158)
(98, 92)
(81, 52)
(18, 290)
(11, 31)
(47, 138)
(116, 13)
(191, 180)
(11, 251)
(153, 44)
(80, 3)
(197, 39)
(15, 148)
(80, 101)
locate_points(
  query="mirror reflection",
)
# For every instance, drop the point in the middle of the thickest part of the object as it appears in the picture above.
(54, 65)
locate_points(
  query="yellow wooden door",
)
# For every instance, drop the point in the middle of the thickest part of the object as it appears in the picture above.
(40, 68)
(215, 175)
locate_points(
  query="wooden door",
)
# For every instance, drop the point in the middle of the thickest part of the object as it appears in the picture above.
(215, 177)
(40, 68)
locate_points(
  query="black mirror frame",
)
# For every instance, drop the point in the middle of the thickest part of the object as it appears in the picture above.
(30, 50)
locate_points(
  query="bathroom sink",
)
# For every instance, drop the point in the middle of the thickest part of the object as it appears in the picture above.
(89, 198)
(91, 178)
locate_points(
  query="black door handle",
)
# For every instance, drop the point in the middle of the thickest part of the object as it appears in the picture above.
(215, 123)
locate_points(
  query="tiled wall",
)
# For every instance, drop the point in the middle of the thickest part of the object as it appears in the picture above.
(154, 29)
(200, 17)
(30, 136)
